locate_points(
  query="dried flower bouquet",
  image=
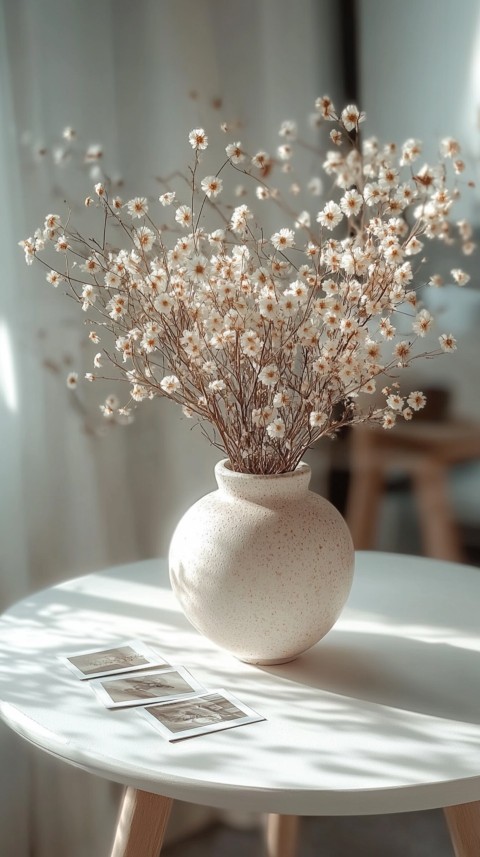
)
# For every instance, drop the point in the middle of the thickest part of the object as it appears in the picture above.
(268, 342)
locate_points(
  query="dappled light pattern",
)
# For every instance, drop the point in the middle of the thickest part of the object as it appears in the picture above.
(380, 716)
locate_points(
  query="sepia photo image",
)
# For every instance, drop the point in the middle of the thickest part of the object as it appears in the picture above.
(142, 688)
(124, 657)
(210, 711)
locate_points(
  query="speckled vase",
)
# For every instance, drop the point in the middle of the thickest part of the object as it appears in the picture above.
(262, 566)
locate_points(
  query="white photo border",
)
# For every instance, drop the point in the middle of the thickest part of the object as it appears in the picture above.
(97, 685)
(251, 716)
(153, 658)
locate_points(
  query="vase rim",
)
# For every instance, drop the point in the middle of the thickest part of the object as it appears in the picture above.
(222, 468)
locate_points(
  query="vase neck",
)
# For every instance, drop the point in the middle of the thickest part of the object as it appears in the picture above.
(256, 487)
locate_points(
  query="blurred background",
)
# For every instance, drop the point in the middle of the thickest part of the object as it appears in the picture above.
(78, 494)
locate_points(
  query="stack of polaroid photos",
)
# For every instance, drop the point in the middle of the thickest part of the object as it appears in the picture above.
(130, 674)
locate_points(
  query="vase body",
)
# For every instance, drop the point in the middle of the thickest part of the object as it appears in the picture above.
(262, 566)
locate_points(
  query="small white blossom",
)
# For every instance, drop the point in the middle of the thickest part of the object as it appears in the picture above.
(164, 303)
(447, 342)
(411, 150)
(261, 160)
(449, 147)
(351, 203)
(282, 399)
(183, 215)
(167, 198)
(251, 343)
(72, 379)
(317, 419)
(54, 278)
(351, 117)
(91, 265)
(416, 400)
(170, 384)
(285, 152)
(330, 216)
(460, 277)
(422, 323)
(315, 186)
(269, 375)
(389, 419)
(52, 221)
(89, 297)
(303, 220)
(144, 238)
(283, 239)
(198, 139)
(112, 280)
(217, 386)
(217, 236)
(137, 207)
(413, 246)
(268, 307)
(211, 186)
(62, 245)
(325, 107)
(276, 429)
(235, 153)
(262, 416)
(262, 192)
(395, 402)
(94, 153)
(239, 218)
(288, 130)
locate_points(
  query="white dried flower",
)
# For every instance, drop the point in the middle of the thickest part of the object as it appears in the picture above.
(198, 139)
(72, 379)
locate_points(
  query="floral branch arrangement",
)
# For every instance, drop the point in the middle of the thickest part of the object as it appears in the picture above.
(269, 343)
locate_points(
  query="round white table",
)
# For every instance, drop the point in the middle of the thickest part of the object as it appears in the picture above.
(381, 716)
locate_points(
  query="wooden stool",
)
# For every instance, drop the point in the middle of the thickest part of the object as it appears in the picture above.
(425, 452)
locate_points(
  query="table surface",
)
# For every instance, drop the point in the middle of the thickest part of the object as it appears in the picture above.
(383, 715)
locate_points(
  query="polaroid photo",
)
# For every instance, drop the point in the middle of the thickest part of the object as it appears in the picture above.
(147, 687)
(210, 711)
(125, 656)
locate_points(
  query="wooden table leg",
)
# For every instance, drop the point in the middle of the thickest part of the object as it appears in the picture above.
(282, 835)
(463, 822)
(141, 825)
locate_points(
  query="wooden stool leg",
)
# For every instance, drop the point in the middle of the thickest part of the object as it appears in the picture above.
(440, 536)
(141, 825)
(282, 835)
(464, 825)
(363, 504)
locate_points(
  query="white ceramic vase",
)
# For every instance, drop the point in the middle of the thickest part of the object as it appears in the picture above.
(262, 566)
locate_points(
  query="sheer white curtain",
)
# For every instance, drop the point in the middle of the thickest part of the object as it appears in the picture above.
(71, 499)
